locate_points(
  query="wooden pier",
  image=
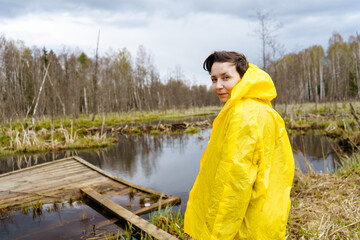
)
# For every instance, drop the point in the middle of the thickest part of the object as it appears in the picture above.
(61, 180)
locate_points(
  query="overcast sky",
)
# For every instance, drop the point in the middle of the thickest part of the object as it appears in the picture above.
(179, 32)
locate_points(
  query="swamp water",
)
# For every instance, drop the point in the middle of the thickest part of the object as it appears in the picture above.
(166, 163)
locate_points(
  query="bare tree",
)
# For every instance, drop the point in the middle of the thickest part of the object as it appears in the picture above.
(265, 31)
(95, 78)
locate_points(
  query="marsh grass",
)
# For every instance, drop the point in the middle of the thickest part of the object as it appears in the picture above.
(326, 206)
(30, 141)
(67, 133)
(324, 108)
(110, 119)
(169, 221)
(154, 132)
(165, 219)
(37, 208)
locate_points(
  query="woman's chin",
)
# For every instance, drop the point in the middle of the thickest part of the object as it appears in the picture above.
(223, 99)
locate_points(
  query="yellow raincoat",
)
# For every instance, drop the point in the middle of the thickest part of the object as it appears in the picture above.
(243, 187)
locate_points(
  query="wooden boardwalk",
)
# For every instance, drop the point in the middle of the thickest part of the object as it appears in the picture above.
(61, 180)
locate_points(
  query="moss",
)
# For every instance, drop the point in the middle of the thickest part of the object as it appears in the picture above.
(83, 131)
(4, 140)
(192, 130)
(155, 132)
(178, 131)
(299, 112)
(340, 123)
(154, 197)
(324, 125)
(142, 201)
(314, 124)
(320, 110)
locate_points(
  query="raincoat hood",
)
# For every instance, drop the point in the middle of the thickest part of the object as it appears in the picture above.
(243, 187)
(255, 84)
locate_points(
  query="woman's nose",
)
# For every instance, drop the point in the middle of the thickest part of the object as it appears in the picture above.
(219, 85)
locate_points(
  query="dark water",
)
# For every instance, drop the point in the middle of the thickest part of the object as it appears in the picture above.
(68, 222)
(166, 163)
(314, 152)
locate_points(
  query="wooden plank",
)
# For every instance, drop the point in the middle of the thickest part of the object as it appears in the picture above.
(36, 166)
(41, 169)
(25, 198)
(119, 179)
(68, 183)
(40, 179)
(155, 206)
(5, 197)
(127, 215)
(55, 182)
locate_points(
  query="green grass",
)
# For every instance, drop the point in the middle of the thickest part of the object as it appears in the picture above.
(69, 133)
(111, 119)
(165, 219)
(350, 165)
(192, 130)
(154, 132)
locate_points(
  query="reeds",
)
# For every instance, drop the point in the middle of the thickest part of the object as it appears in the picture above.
(169, 221)
(326, 206)
(166, 219)
(29, 141)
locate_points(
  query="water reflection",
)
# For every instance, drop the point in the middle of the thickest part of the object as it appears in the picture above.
(67, 222)
(20, 161)
(170, 163)
(166, 163)
(314, 151)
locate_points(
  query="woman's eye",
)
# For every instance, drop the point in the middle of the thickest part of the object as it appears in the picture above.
(213, 80)
(226, 77)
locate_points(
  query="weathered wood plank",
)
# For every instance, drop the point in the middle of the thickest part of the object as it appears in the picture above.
(36, 166)
(127, 215)
(61, 178)
(119, 179)
(58, 185)
(44, 177)
(55, 182)
(40, 169)
(26, 198)
(163, 203)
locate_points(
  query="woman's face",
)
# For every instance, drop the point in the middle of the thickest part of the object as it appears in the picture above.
(224, 77)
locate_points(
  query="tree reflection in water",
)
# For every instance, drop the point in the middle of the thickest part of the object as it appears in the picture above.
(142, 153)
(315, 150)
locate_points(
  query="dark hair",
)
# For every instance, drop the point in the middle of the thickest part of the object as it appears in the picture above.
(238, 59)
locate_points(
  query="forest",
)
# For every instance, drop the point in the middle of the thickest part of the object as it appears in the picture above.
(318, 75)
(36, 81)
(40, 82)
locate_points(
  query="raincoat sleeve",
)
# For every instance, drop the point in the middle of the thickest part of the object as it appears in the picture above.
(236, 174)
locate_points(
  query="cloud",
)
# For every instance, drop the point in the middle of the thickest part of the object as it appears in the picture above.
(111, 10)
(177, 32)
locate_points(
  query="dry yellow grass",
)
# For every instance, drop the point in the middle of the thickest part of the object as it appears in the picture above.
(325, 206)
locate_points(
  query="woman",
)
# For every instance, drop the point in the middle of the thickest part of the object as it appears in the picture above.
(243, 187)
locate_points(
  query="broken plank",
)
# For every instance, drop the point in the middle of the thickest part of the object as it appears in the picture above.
(127, 215)
(119, 179)
(155, 206)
